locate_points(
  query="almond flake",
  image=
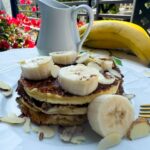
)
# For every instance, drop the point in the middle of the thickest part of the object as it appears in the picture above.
(26, 125)
(47, 131)
(12, 119)
(4, 86)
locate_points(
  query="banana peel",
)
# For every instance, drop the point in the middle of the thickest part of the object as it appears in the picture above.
(113, 34)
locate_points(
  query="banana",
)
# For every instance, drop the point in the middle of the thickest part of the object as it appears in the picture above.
(109, 141)
(110, 114)
(95, 65)
(111, 34)
(55, 71)
(37, 68)
(78, 79)
(103, 80)
(64, 57)
(83, 58)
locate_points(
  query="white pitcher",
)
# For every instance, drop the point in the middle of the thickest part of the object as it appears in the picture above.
(58, 30)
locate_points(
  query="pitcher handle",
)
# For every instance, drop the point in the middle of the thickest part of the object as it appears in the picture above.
(91, 19)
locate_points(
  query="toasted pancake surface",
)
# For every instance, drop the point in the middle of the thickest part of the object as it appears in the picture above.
(49, 90)
(54, 108)
(46, 119)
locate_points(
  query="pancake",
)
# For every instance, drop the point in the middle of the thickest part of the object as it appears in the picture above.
(49, 91)
(46, 119)
(54, 109)
(46, 103)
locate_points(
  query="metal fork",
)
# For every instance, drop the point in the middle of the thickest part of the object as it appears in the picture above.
(144, 111)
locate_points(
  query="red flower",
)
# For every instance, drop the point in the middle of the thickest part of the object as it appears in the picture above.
(36, 22)
(21, 16)
(22, 1)
(16, 45)
(80, 23)
(28, 2)
(2, 12)
(27, 21)
(34, 9)
(4, 45)
(13, 21)
(27, 28)
(29, 43)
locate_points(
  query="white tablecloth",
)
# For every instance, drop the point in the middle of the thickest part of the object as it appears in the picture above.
(136, 81)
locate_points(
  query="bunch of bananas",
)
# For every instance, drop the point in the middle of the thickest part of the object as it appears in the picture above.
(113, 34)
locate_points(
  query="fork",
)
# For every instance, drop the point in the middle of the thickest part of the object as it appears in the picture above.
(144, 111)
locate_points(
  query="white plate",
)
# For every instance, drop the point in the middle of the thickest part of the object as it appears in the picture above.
(14, 138)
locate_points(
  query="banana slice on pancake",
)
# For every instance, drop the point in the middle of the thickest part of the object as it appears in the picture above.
(64, 57)
(78, 79)
(110, 114)
(37, 68)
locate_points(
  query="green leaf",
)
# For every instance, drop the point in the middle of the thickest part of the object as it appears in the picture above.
(117, 61)
(82, 52)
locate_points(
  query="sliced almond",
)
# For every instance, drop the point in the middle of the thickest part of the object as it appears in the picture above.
(22, 62)
(55, 71)
(78, 139)
(26, 125)
(95, 65)
(4, 86)
(138, 129)
(72, 135)
(7, 93)
(48, 132)
(103, 80)
(98, 61)
(67, 133)
(12, 119)
(109, 141)
(107, 64)
(82, 58)
(115, 73)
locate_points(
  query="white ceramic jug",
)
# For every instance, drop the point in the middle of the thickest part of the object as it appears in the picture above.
(58, 30)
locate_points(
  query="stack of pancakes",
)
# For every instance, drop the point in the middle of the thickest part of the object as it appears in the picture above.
(46, 103)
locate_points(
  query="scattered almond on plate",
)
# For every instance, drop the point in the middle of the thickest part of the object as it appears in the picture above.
(5, 89)
(72, 135)
(12, 119)
(138, 129)
(44, 131)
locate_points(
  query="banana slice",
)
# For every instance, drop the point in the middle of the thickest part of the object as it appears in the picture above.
(64, 57)
(107, 64)
(110, 114)
(95, 65)
(82, 58)
(55, 71)
(103, 80)
(109, 141)
(37, 68)
(78, 79)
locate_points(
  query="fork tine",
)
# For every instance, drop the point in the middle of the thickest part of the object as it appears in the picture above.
(145, 105)
(144, 116)
(144, 111)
